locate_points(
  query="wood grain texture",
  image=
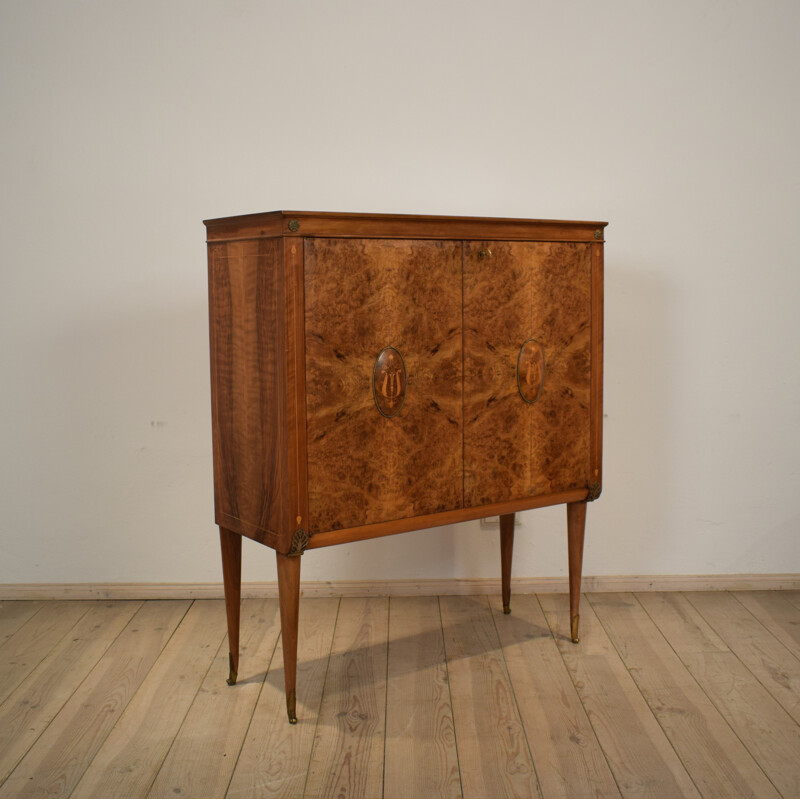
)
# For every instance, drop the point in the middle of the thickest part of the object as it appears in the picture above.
(248, 380)
(506, 557)
(443, 518)
(764, 727)
(24, 650)
(14, 614)
(296, 388)
(493, 751)
(777, 667)
(714, 756)
(231, 546)
(420, 752)
(203, 755)
(289, 589)
(56, 762)
(347, 760)
(362, 296)
(523, 291)
(29, 709)
(403, 226)
(131, 756)
(568, 757)
(639, 754)
(777, 614)
(576, 528)
(274, 758)
(596, 399)
(572, 701)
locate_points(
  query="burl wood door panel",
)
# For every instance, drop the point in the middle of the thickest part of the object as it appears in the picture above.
(527, 369)
(383, 379)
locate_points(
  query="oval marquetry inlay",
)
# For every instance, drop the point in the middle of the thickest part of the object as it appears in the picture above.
(530, 371)
(389, 382)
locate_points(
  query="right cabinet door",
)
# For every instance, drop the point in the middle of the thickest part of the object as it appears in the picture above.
(527, 369)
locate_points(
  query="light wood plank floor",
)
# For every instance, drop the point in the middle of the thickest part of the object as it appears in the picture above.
(666, 695)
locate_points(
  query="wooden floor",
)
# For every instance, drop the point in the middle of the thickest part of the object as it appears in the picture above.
(667, 695)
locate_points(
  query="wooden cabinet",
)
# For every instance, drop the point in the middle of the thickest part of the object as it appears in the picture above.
(374, 374)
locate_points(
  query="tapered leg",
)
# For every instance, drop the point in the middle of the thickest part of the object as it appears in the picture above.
(289, 591)
(576, 524)
(506, 550)
(232, 579)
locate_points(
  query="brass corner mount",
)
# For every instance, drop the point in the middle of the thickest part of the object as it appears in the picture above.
(300, 541)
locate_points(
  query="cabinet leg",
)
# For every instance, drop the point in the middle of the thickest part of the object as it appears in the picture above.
(506, 550)
(232, 579)
(576, 524)
(289, 591)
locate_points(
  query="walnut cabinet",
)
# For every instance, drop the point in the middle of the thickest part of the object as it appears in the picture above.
(374, 374)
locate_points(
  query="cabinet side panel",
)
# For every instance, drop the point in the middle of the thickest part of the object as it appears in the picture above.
(249, 387)
(384, 439)
(524, 301)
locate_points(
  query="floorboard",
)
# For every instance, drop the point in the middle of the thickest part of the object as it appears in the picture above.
(763, 726)
(718, 763)
(419, 714)
(569, 759)
(60, 756)
(675, 694)
(639, 754)
(130, 758)
(347, 759)
(493, 751)
(275, 756)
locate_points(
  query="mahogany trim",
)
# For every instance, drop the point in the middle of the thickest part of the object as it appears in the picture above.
(296, 388)
(596, 389)
(443, 518)
(399, 226)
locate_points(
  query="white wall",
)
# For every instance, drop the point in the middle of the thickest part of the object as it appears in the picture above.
(124, 124)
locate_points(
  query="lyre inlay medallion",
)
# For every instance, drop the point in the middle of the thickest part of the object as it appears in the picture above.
(389, 382)
(530, 371)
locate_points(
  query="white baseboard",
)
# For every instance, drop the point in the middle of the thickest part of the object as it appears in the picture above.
(400, 588)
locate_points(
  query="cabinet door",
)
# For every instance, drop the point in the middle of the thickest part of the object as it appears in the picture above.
(383, 379)
(527, 369)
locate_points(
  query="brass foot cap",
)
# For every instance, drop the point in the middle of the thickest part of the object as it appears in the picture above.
(293, 720)
(233, 674)
(574, 631)
(506, 609)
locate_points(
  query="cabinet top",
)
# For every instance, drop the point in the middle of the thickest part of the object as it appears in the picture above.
(398, 226)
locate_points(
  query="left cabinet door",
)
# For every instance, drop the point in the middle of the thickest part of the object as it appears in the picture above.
(383, 379)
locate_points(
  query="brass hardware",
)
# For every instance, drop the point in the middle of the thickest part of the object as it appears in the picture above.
(291, 702)
(594, 492)
(534, 370)
(299, 543)
(294, 225)
(598, 234)
(484, 252)
(506, 609)
(574, 629)
(232, 674)
(389, 382)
